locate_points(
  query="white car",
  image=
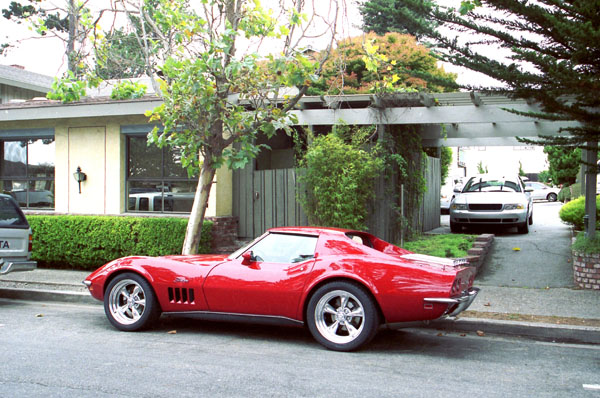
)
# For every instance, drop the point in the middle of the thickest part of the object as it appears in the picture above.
(541, 191)
(492, 200)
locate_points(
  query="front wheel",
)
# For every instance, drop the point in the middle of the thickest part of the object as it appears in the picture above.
(455, 228)
(552, 197)
(130, 303)
(523, 228)
(342, 316)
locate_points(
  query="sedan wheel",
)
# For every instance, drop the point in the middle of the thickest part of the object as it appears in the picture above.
(130, 303)
(342, 316)
(552, 197)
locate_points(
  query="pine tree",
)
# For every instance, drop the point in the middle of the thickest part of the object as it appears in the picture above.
(551, 53)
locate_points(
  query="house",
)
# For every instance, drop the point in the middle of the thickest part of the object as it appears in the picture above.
(17, 84)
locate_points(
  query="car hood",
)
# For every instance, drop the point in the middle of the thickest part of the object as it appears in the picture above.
(491, 197)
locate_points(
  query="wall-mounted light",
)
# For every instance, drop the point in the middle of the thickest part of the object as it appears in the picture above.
(79, 177)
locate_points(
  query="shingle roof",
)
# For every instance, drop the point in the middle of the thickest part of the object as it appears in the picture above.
(17, 77)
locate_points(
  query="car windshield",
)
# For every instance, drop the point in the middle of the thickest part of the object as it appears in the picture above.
(482, 184)
(10, 215)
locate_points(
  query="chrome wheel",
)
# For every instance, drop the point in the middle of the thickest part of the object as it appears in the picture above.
(342, 316)
(130, 303)
(339, 316)
(127, 302)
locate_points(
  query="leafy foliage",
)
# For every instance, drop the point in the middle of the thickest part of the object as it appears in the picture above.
(563, 164)
(449, 245)
(390, 63)
(383, 16)
(128, 90)
(445, 160)
(119, 56)
(86, 242)
(67, 89)
(573, 212)
(339, 172)
(586, 245)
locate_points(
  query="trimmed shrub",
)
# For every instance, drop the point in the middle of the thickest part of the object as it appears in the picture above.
(572, 212)
(87, 242)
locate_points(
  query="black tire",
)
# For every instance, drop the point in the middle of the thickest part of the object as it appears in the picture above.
(531, 219)
(523, 228)
(355, 313)
(552, 197)
(130, 303)
(455, 228)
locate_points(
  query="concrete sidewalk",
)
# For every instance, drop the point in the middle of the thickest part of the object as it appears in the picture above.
(575, 314)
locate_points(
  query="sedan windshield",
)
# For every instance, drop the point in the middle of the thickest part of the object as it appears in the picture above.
(479, 184)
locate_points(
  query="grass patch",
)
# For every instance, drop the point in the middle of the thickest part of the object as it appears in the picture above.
(585, 245)
(449, 246)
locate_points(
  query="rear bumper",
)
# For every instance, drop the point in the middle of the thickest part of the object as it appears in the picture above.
(458, 304)
(16, 266)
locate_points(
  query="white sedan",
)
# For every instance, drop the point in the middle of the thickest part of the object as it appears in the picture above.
(541, 191)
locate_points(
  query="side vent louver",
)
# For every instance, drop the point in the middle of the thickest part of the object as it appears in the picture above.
(181, 295)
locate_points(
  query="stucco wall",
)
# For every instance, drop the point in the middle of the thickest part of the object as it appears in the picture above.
(98, 147)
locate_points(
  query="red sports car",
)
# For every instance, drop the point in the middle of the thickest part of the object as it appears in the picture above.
(342, 284)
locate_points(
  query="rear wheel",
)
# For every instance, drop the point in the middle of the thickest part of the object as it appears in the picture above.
(130, 303)
(342, 316)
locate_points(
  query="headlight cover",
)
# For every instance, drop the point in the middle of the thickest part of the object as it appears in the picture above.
(459, 206)
(514, 206)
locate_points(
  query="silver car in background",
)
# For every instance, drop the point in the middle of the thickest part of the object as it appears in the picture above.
(15, 238)
(492, 200)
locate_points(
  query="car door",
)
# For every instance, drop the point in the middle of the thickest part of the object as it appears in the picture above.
(269, 286)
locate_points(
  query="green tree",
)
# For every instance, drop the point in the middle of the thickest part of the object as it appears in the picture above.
(383, 16)
(563, 164)
(551, 53)
(389, 63)
(119, 56)
(216, 97)
(71, 21)
(445, 160)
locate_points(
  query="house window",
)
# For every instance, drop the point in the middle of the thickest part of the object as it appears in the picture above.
(27, 171)
(156, 182)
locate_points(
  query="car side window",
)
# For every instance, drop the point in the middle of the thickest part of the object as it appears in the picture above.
(285, 248)
(10, 216)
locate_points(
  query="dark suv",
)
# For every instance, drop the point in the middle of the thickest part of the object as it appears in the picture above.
(15, 238)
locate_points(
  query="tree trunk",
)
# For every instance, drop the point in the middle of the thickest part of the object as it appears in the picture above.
(194, 227)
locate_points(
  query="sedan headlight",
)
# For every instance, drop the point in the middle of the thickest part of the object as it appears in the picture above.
(459, 206)
(514, 206)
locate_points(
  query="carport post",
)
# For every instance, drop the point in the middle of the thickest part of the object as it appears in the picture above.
(590, 157)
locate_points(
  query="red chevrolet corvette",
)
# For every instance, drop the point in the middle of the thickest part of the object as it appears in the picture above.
(342, 284)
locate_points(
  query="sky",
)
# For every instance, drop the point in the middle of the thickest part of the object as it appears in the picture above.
(46, 55)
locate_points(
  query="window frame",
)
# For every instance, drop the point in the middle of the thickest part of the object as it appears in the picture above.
(27, 135)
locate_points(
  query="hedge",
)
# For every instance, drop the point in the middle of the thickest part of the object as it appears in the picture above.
(87, 242)
(573, 212)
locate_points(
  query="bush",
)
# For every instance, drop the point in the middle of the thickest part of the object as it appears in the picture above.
(449, 245)
(572, 212)
(340, 170)
(87, 242)
(585, 245)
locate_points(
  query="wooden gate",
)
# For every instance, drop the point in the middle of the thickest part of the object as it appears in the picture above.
(264, 199)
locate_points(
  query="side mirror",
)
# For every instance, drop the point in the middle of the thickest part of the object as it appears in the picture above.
(248, 258)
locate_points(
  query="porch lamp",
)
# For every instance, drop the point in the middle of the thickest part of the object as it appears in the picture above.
(79, 177)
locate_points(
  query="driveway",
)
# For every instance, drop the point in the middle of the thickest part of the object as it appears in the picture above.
(540, 259)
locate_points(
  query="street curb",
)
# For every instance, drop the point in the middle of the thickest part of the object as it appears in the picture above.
(47, 295)
(541, 331)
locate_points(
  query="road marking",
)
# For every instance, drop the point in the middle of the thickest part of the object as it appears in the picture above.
(591, 387)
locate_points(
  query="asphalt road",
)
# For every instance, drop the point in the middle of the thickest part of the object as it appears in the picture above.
(62, 350)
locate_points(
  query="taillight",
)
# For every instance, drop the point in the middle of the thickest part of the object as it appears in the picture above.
(30, 247)
(456, 286)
